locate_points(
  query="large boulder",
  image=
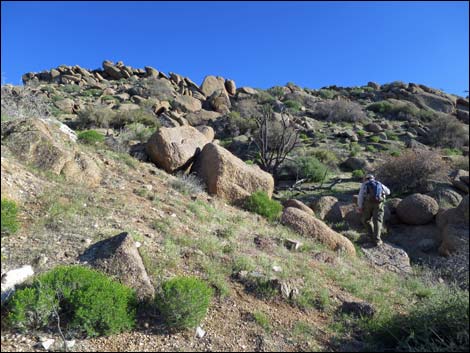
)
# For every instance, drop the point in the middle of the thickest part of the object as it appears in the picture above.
(417, 209)
(118, 256)
(309, 226)
(446, 197)
(231, 87)
(187, 104)
(175, 148)
(50, 146)
(212, 84)
(228, 176)
(220, 102)
(460, 180)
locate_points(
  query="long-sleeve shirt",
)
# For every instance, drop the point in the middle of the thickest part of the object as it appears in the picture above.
(362, 192)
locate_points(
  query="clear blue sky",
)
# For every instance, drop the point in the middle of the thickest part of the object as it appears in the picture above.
(258, 44)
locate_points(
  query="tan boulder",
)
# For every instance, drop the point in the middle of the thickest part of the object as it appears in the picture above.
(175, 148)
(323, 206)
(187, 104)
(298, 204)
(50, 146)
(228, 176)
(220, 102)
(309, 226)
(206, 131)
(66, 105)
(212, 84)
(230, 87)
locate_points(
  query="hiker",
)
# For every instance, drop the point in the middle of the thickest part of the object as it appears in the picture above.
(371, 204)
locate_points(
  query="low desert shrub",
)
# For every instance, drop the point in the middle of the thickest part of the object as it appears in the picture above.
(311, 168)
(183, 302)
(259, 202)
(9, 219)
(87, 302)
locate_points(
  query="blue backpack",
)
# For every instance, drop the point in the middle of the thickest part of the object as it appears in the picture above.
(374, 191)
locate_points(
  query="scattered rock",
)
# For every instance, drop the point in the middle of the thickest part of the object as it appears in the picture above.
(118, 256)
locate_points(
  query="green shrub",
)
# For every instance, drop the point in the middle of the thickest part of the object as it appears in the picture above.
(375, 139)
(358, 174)
(371, 148)
(262, 320)
(238, 125)
(354, 149)
(293, 105)
(447, 131)
(340, 110)
(9, 217)
(87, 301)
(135, 131)
(439, 323)
(90, 137)
(311, 168)
(277, 91)
(361, 133)
(260, 203)
(183, 301)
(395, 153)
(327, 93)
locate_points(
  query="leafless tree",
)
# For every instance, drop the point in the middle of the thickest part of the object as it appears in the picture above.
(275, 137)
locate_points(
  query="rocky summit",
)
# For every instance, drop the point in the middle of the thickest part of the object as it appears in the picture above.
(212, 217)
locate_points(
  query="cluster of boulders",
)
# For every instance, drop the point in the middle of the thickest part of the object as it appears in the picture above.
(186, 148)
(49, 145)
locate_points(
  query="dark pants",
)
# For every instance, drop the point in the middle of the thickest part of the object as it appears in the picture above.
(376, 212)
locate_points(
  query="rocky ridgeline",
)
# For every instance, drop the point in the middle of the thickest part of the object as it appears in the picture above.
(114, 72)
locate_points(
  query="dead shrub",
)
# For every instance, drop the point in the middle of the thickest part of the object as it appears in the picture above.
(410, 171)
(340, 110)
(447, 131)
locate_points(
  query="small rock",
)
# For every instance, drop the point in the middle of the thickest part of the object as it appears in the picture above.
(292, 244)
(47, 343)
(138, 244)
(70, 344)
(358, 309)
(277, 268)
(200, 333)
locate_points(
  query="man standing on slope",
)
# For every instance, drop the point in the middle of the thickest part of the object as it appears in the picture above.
(371, 204)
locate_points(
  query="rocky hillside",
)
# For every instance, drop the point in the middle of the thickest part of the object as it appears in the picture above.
(147, 176)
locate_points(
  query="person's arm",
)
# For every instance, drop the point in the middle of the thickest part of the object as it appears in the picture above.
(386, 190)
(360, 199)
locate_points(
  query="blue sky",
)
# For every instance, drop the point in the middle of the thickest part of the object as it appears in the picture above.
(257, 44)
